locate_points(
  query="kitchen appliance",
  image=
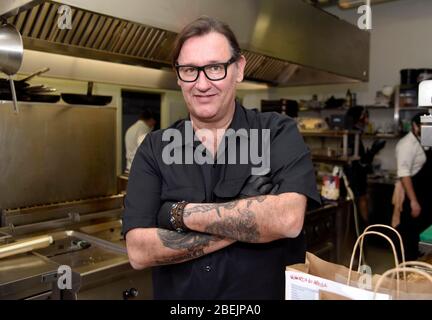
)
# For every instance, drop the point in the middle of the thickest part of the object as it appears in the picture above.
(408, 76)
(88, 99)
(84, 235)
(337, 121)
(145, 38)
(11, 55)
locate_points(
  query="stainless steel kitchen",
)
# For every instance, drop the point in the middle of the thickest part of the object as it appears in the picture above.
(85, 217)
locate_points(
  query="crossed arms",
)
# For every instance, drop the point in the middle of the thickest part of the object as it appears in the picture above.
(215, 226)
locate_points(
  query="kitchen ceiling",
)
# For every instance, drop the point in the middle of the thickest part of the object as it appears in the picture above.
(282, 47)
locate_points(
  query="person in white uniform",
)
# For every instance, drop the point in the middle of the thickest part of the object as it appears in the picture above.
(135, 136)
(414, 169)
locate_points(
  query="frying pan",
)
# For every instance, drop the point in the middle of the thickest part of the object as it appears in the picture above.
(88, 99)
(11, 55)
(21, 84)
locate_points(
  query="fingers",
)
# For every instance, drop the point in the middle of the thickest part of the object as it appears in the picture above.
(265, 189)
(261, 181)
(275, 189)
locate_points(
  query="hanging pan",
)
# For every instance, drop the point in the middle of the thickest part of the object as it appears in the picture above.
(11, 55)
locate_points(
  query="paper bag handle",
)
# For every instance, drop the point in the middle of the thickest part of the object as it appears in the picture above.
(386, 227)
(359, 239)
(415, 263)
(397, 270)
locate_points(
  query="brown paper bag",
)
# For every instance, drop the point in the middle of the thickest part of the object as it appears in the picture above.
(323, 275)
(319, 279)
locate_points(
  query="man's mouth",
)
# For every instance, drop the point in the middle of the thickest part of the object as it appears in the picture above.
(204, 97)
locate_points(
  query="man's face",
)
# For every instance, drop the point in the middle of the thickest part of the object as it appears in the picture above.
(207, 100)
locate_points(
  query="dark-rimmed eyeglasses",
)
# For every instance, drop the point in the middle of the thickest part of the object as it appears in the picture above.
(213, 72)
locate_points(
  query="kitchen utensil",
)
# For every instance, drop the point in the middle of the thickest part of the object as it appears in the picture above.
(11, 54)
(22, 84)
(88, 99)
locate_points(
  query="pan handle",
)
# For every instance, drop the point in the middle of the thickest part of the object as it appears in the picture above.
(14, 97)
(90, 88)
(37, 73)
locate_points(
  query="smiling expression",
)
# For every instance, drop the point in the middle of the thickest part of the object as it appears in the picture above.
(210, 101)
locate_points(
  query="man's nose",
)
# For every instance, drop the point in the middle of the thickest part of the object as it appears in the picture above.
(202, 83)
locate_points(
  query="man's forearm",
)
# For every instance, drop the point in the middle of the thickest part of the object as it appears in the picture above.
(256, 219)
(150, 246)
(409, 188)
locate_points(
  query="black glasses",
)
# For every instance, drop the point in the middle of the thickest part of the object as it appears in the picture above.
(213, 72)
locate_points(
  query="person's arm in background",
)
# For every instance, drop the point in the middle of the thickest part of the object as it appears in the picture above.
(409, 190)
(405, 159)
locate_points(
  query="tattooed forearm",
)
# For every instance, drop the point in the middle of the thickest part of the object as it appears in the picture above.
(193, 242)
(253, 199)
(182, 257)
(187, 240)
(243, 228)
(207, 207)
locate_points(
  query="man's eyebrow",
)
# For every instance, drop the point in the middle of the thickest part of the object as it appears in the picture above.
(196, 65)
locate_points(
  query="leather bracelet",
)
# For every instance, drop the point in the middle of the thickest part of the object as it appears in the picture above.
(176, 216)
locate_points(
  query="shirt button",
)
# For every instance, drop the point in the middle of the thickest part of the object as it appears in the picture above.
(207, 268)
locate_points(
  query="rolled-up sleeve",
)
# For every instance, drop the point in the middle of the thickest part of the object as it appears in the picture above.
(404, 159)
(142, 200)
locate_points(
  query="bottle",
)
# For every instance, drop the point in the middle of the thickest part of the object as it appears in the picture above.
(354, 99)
(348, 99)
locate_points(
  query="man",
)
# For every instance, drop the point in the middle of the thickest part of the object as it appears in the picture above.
(135, 135)
(233, 240)
(414, 169)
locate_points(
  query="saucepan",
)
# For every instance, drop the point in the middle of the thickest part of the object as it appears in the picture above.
(11, 55)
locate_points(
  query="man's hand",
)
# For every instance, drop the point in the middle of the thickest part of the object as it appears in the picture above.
(415, 208)
(258, 186)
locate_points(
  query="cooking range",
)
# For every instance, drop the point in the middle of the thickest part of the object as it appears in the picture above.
(85, 236)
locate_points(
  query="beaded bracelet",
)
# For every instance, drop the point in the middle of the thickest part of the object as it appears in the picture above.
(176, 216)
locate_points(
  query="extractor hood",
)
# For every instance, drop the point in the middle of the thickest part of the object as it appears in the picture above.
(286, 43)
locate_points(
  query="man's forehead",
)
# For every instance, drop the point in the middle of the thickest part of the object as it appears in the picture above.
(211, 47)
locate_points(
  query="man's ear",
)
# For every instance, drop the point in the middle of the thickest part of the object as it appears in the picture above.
(241, 63)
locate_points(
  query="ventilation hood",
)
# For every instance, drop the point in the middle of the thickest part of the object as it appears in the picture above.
(286, 43)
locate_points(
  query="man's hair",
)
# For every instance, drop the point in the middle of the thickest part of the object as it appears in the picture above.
(416, 118)
(353, 116)
(200, 27)
(146, 115)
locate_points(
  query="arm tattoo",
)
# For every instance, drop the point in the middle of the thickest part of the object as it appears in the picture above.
(187, 240)
(193, 242)
(243, 228)
(206, 207)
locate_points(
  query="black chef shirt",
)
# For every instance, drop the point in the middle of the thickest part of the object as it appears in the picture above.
(241, 270)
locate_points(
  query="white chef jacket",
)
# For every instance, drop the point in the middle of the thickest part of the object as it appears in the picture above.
(133, 138)
(410, 156)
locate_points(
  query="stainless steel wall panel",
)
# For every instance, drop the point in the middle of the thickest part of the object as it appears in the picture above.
(55, 153)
